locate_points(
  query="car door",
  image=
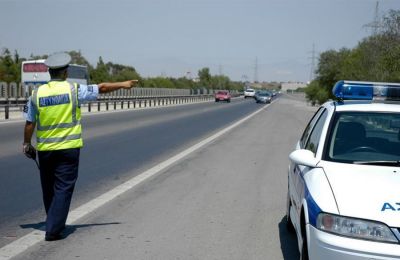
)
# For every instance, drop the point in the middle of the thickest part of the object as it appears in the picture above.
(310, 141)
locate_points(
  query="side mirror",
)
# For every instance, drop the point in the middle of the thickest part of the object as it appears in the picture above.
(304, 157)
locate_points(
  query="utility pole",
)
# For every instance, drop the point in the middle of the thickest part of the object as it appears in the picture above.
(376, 24)
(245, 80)
(375, 27)
(312, 69)
(256, 71)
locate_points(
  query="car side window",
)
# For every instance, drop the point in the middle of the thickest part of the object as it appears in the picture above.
(315, 136)
(310, 127)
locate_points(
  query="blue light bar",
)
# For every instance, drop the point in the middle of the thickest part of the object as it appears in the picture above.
(361, 90)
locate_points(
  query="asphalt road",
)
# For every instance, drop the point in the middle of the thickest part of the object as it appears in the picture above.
(224, 201)
(117, 146)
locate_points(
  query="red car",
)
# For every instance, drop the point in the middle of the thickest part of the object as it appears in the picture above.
(223, 95)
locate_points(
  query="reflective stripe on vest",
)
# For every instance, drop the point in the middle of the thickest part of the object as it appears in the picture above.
(58, 119)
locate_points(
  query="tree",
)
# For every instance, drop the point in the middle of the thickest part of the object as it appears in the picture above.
(205, 77)
(9, 66)
(100, 73)
(375, 58)
(77, 58)
(329, 67)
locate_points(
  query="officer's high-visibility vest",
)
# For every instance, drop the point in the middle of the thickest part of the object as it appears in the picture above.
(58, 119)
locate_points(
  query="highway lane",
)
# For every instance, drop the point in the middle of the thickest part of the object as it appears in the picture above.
(117, 146)
(224, 201)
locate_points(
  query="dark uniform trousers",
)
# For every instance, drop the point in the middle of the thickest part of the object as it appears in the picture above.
(58, 174)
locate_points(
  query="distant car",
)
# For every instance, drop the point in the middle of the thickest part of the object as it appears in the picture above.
(223, 95)
(343, 179)
(263, 97)
(249, 93)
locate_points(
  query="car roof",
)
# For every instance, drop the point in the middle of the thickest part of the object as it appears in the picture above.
(363, 106)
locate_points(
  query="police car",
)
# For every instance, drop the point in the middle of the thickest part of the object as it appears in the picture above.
(344, 176)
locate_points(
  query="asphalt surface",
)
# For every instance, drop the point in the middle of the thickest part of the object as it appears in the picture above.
(224, 201)
(117, 146)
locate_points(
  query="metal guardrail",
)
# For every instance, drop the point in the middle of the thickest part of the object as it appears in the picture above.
(106, 104)
(15, 90)
(14, 96)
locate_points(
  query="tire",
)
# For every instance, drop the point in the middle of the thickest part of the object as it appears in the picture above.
(304, 250)
(216, 100)
(304, 247)
(289, 223)
(229, 101)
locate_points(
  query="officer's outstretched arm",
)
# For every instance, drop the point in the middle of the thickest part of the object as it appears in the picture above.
(109, 87)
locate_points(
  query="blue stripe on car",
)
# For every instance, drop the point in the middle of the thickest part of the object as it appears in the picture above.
(313, 208)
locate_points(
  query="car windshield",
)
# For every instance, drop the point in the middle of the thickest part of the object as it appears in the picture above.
(222, 93)
(365, 138)
(250, 90)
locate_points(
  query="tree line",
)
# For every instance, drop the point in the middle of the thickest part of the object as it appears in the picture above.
(10, 71)
(375, 58)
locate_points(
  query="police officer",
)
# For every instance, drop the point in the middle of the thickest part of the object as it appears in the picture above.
(54, 110)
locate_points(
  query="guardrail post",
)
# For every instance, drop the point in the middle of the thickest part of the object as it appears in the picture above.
(89, 106)
(122, 104)
(98, 106)
(7, 110)
(115, 105)
(129, 104)
(107, 105)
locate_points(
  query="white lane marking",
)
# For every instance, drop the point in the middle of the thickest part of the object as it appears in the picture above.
(20, 245)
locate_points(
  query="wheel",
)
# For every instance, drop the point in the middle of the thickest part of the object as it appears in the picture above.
(304, 247)
(304, 250)
(216, 100)
(363, 149)
(229, 101)
(289, 223)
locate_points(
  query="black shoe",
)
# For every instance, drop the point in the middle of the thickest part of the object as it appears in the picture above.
(49, 237)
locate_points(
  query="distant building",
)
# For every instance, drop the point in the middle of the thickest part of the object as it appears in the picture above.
(292, 86)
(265, 85)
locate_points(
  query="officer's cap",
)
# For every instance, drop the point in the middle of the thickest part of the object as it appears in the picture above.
(58, 60)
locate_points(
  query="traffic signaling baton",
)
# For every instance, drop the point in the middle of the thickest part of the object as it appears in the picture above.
(30, 152)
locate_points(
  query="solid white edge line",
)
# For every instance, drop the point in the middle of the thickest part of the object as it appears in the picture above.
(20, 245)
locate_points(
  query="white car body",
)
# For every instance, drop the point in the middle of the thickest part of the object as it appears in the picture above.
(249, 93)
(353, 192)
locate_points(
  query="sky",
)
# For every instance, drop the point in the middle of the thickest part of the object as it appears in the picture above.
(263, 40)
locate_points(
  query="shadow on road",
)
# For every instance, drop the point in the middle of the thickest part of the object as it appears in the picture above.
(288, 240)
(69, 229)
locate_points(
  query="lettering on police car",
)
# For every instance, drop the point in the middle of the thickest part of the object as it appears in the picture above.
(388, 206)
(54, 100)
